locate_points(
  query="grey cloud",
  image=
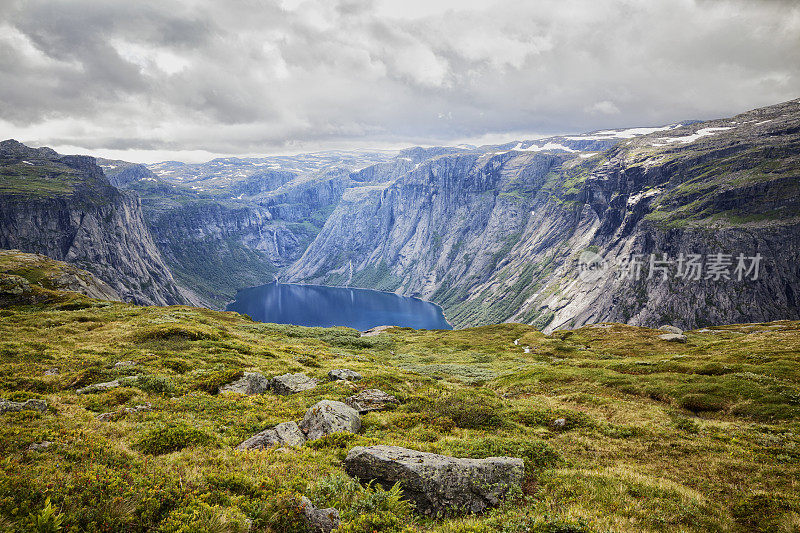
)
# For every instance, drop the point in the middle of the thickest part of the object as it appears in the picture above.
(242, 76)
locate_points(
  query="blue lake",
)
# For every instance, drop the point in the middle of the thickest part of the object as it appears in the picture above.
(315, 305)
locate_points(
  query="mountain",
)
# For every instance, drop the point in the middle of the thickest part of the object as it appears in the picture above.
(64, 207)
(497, 233)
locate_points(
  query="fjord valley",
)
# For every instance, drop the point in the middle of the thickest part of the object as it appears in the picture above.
(567, 399)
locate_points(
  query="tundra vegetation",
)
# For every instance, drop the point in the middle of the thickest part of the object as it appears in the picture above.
(651, 435)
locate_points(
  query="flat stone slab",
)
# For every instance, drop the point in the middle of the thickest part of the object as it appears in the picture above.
(437, 485)
(285, 434)
(377, 330)
(292, 383)
(673, 337)
(327, 417)
(250, 383)
(344, 374)
(33, 404)
(371, 400)
(99, 387)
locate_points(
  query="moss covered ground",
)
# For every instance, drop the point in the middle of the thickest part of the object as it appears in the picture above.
(657, 436)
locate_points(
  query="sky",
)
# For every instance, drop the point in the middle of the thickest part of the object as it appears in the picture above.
(151, 80)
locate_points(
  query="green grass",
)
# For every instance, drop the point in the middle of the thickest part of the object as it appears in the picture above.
(658, 436)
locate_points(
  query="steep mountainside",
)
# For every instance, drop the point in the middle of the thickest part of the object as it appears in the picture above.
(498, 234)
(65, 208)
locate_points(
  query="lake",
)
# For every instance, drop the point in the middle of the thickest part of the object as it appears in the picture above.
(316, 305)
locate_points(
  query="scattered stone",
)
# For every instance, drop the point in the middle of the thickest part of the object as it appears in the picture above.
(371, 400)
(122, 364)
(377, 330)
(285, 434)
(250, 383)
(344, 374)
(292, 383)
(106, 417)
(33, 404)
(39, 446)
(527, 349)
(99, 387)
(51, 372)
(672, 337)
(113, 415)
(671, 329)
(559, 422)
(438, 485)
(319, 520)
(139, 408)
(327, 417)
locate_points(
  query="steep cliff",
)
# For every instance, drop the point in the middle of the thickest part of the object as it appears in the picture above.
(498, 234)
(65, 208)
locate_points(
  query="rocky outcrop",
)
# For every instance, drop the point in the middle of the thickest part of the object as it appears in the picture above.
(99, 387)
(65, 208)
(327, 417)
(7, 406)
(343, 374)
(292, 383)
(437, 485)
(319, 520)
(250, 383)
(371, 400)
(285, 434)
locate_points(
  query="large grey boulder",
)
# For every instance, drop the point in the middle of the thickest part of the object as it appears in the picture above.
(344, 374)
(327, 417)
(671, 329)
(292, 383)
(438, 485)
(285, 434)
(673, 337)
(371, 400)
(319, 520)
(249, 383)
(33, 404)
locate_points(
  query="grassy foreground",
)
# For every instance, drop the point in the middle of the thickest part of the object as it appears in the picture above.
(658, 436)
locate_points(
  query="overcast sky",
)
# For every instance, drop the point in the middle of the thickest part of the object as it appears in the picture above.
(149, 80)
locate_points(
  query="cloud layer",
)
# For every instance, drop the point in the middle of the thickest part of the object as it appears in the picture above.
(238, 76)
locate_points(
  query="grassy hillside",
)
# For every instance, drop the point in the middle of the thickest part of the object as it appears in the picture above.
(658, 436)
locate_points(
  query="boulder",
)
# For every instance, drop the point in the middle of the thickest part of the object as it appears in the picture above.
(673, 337)
(437, 485)
(371, 400)
(39, 446)
(671, 329)
(344, 374)
(377, 330)
(33, 404)
(319, 520)
(327, 417)
(292, 383)
(123, 364)
(249, 383)
(285, 434)
(99, 387)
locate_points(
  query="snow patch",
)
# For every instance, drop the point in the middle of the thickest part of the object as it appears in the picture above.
(705, 132)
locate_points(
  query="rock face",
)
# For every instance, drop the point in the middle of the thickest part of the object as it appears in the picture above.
(285, 434)
(500, 235)
(327, 417)
(292, 383)
(438, 485)
(250, 383)
(319, 520)
(28, 405)
(371, 400)
(344, 374)
(83, 220)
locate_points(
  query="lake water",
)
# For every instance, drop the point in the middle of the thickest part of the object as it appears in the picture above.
(315, 305)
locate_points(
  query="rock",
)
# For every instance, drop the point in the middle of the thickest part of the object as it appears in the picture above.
(319, 520)
(285, 434)
(39, 446)
(51, 372)
(671, 329)
(344, 374)
(371, 400)
(249, 383)
(292, 383)
(122, 364)
(438, 485)
(138, 409)
(106, 417)
(377, 330)
(672, 337)
(28, 405)
(327, 417)
(112, 415)
(559, 422)
(99, 387)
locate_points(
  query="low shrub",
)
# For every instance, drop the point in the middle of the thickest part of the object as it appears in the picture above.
(210, 382)
(108, 400)
(181, 366)
(700, 402)
(155, 384)
(545, 418)
(172, 437)
(537, 454)
(763, 513)
(470, 409)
